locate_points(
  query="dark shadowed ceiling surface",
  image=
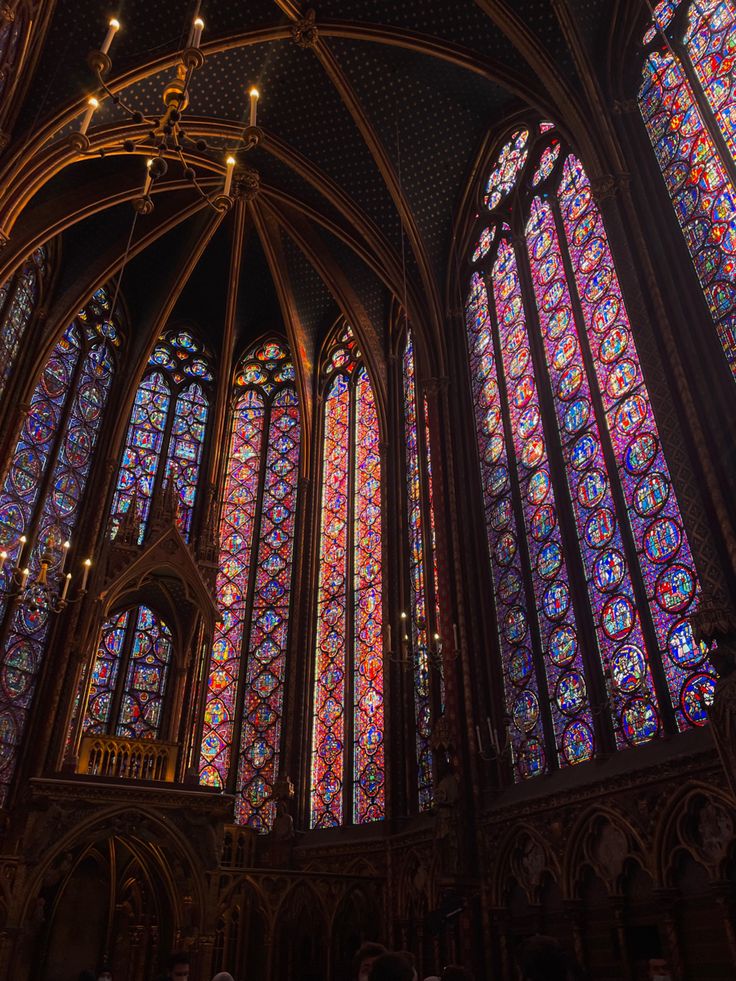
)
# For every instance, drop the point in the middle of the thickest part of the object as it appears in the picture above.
(371, 134)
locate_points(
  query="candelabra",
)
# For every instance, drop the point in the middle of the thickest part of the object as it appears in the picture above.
(433, 652)
(48, 589)
(498, 750)
(167, 135)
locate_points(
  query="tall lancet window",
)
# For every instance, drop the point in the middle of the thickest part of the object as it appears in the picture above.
(347, 735)
(19, 297)
(688, 102)
(423, 616)
(592, 571)
(13, 35)
(243, 723)
(42, 491)
(165, 437)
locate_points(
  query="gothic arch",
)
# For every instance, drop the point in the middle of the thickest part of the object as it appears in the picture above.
(700, 821)
(523, 857)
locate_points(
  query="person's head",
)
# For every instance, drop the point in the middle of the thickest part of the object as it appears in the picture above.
(364, 957)
(223, 976)
(411, 960)
(453, 972)
(391, 967)
(104, 974)
(179, 967)
(542, 959)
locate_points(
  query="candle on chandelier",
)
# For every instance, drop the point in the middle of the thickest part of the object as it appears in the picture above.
(388, 632)
(149, 179)
(22, 541)
(24, 577)
(254, 94)
(491, 734)
(87, 566)
(67, 581)
(112, 28)
(92, 105)
(197, 28)
(477, 736)
(3, 559)
(66, 546)
(230, 163)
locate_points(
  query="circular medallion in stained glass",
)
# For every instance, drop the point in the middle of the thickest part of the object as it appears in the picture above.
(499, 479)
(592, 488)
(628, 669)
(66, 492)
(576, 415)
(599, 528)
(543, 522)
(583, 229)
(591, 255)
(505, 549)
(621, 378)
(41, 422)
(493, 449)
(541, 244)
(549, 560)
(579, 203)
(272, 352)
(613, 345)
(553, 297)
(548, 268)
(515, 625)
(640, 721)
(563, 645)
(19, 669)
(559, 322)
(630, 415)
(531, 758)
(577, 743)
(682, 648)
(570, 382)
(583, 451)
(516, 337)
(556, 601)
(608, 570)
(528, 421)
(662, 539)
(524, 392)
(651, 494)
(252, 374)
(533, 452)
(33, 617)
(538, 487)
(570, 692)
(55, 378)
(500, 514)
(25, 471)
(565, 351)
(605, 314)
(518, 363)
(696, 698)
(520, 665)
(675, 588)
(618, 617)
(599, 284)
(525, 711)
(509, 586)
(640, 453)
(491, 419)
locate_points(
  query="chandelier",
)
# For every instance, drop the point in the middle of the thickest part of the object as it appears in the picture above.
(431, 652)
(48, 589)
(167, 138)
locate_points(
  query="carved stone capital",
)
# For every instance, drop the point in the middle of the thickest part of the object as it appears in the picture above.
(608, 185)
(7, 13)
(247, 183)
(434, 386)
(304, 31)
(623, 107)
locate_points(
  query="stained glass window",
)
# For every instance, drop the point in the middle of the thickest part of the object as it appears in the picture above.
(245, 697)
(348, 684)
(576, 485)
(168, 422)
(688, 102)
(12, 33)
(129, 677)
(19, 297)
(40, 498)
(424, 617)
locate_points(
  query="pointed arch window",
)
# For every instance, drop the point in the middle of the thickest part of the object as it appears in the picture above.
(243, 722)
(423, 578)
(13, 32)
(130, 675)
(348, 714)
(687, 100)
(576, 485)
(41, 494)
(19, 298)
(165, 437)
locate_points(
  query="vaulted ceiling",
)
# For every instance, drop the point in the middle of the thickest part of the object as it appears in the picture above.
(373, 127)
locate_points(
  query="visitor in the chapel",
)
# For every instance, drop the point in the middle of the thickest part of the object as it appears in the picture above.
(368, 490)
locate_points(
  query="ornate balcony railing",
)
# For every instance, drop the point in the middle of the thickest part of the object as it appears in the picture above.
(128, 759)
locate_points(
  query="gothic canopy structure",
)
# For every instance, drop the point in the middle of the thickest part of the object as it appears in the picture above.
(367, 481)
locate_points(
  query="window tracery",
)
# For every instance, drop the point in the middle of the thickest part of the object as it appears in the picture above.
(41, 496)
(19, 298)
(348, 713)
(248, 667)
(575, 482)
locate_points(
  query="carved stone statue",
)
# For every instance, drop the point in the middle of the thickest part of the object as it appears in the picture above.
(447, 842)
